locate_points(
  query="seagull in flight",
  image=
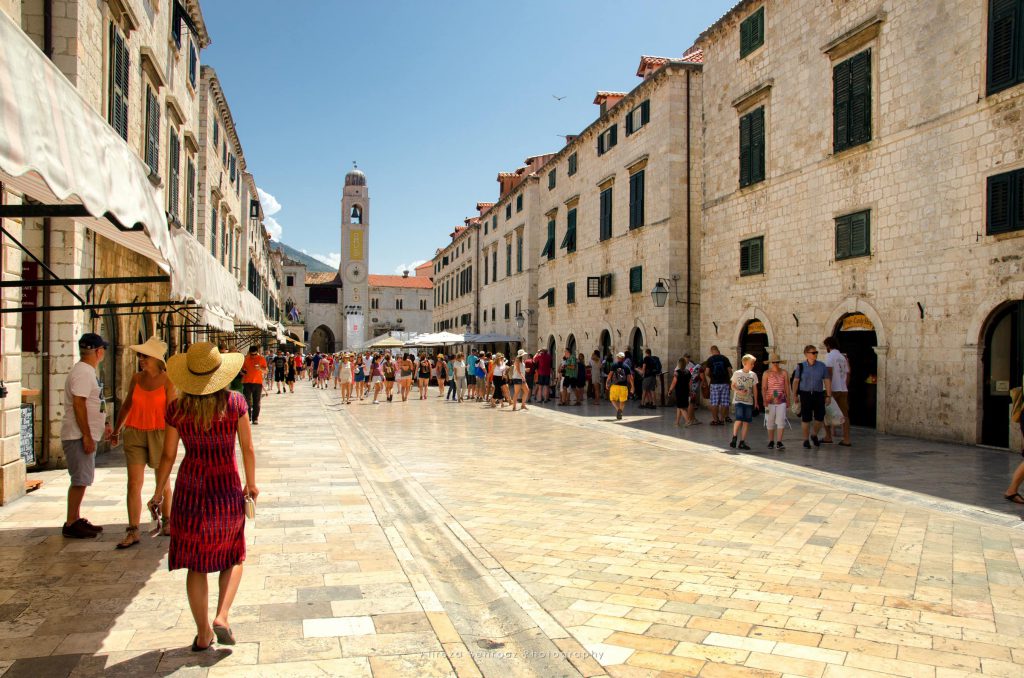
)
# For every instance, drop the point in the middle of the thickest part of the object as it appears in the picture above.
(557, 98)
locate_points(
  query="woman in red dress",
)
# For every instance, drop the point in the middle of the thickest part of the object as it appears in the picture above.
(208, 523)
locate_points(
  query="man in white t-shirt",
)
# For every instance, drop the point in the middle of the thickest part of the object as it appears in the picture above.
(839, 372)
(83, 426)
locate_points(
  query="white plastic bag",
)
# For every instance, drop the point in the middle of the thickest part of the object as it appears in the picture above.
(833, 415)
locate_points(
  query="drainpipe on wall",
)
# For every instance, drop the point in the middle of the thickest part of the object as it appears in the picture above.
(689, 212)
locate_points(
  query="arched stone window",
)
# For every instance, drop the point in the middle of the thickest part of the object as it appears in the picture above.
(356, 215)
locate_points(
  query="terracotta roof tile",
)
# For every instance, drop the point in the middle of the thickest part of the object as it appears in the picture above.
(317, 278)
(694, 55)
(425, 264)
(411, 282)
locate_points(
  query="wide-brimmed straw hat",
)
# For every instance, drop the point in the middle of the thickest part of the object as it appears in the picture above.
(774, 358)
(154, 348)
(520, 353)
(203, 369)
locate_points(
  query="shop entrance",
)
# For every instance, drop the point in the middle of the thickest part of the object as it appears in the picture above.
(551, 347)
(606, 343)
(570, 345)
(754, 340)
(1002, 363)
(857, 341)
(636, 347)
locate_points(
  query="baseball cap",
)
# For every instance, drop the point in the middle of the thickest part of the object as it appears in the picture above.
(90, 341)
(620, 354)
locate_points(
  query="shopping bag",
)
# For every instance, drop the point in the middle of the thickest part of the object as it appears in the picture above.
(833, 415)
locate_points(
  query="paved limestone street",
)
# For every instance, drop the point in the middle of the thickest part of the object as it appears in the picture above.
(431, 538)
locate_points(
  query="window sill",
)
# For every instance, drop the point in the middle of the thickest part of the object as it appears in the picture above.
(1005, 235)
(854, 257)
(863, 146)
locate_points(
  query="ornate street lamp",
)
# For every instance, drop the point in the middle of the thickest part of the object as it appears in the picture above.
(659, 294)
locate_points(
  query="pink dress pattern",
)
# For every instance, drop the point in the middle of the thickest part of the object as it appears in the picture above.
(208, 514)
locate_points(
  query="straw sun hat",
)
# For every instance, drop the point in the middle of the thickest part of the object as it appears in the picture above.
(154, 348)
(203, 369)
(774, 358)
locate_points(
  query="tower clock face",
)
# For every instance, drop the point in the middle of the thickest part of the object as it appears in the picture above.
(355, 272)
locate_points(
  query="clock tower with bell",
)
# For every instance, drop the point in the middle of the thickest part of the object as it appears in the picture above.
(355, 257)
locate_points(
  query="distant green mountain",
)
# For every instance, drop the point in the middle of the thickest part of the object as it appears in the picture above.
(312, 264)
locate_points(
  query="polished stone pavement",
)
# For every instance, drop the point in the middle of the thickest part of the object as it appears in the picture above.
(432, 538)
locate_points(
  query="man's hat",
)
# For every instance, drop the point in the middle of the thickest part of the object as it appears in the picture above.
(91, 342)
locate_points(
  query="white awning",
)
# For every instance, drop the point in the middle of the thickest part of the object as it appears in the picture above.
(250, 310)
(56, 149)
(217, 320)
(199, 277)
(490, 339)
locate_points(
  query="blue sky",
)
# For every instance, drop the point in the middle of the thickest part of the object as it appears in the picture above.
(433, 99)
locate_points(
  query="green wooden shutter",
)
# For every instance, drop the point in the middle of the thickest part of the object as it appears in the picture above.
(757, 145)
(152, 131)
(752, 32)
(636, 200)
(745, 150)
(636, 279)
(600, 143)
(860, 98)
(613, 136)
(119, 71)
(1000, 203)
(744, 38)
(606, 214)
(842, 238)
(645, 112)
(860, 243)
(1018, 186)
(190, 197)
(629, 122)
(173, 173)
(756, 255)
(1004, 49)
(508, 258)
(841, 106)
(570, 293)
(745, 257)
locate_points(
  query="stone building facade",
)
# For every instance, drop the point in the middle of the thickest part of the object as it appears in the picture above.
(136, 64)
(455, 269)
(877, 205)
(619, 210)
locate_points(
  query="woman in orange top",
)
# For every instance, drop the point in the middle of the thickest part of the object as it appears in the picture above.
(142, 420)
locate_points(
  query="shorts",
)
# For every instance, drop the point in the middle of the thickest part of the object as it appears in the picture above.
(744, 412)
(376, 379)
(498, 383)
(460, 383)
(843, 401)
(390, 379)
(812, 405)
(719, 395)
(360, 378)
(517, 382)
(543, 380)
(618, 393)
(278, 375)
(471, 380)
(81, 466)
(649, 384)
(775, 416)
(568, 382)
(143, 447)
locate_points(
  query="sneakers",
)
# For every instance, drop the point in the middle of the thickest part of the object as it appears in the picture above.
(779, 446)
(733, 443)
(618, 415)
(807, 444)
(80, 529)
(743, 445)
(814, 439)
(771, 444)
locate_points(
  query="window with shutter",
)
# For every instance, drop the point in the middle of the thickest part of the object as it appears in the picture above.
(549, 244)
(636, 200)
(1005, 44)
(570, 293)
(606, 285)
(636, 279)
(607, 139)
(638, 117)
(508, 257)
(494, 262)
(752, 32)
(173, 170)
(853, 235)
(519, 203)
(486, 268)
(606, 214)
(572, 165)
(851, 104)
(119, 71)
(551, 179)
(190, 197)
(213, 231)
(569, 241)
(508, 211)
(216, 135)
(594, 286)
(193, 63)
(752, 147)
(519, 253)
(752, 256)
(152, 131)
(1005, 208)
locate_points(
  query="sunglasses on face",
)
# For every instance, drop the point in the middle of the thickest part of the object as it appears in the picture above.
(812, 353)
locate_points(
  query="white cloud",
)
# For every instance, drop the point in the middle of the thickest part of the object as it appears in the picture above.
(270, 204)
(402, 268)
(332, 259)
(273, 228)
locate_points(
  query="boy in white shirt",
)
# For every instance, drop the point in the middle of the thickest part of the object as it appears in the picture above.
(839, 371)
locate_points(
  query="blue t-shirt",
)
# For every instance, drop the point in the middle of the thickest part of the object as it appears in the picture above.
(471, 364)
(812, 377)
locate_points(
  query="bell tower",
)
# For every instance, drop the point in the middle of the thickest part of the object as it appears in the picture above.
(355, 256)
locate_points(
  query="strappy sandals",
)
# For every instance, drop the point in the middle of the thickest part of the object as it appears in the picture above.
(1014, 498)
(131, 537)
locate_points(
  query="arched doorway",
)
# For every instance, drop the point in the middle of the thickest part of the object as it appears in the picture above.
(605, 345)
(322, 340)
(551, 346)
(570, 344)
(857, 340)
(754, 340)
(1002, 363)
(636, 346)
